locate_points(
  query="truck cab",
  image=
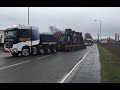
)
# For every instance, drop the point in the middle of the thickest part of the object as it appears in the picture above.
(21, 39)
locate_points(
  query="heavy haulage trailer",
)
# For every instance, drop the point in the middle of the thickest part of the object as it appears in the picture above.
(71, 41)
(26, 40)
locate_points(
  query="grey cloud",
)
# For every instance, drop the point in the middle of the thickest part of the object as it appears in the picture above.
(78, 18)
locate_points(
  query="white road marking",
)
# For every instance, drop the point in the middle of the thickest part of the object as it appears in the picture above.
(21, 63)
(63, 80)
(14, 65)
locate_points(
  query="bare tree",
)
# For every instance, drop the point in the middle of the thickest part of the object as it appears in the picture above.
(55, 31)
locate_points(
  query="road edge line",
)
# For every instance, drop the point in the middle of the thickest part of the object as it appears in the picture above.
(67, 75)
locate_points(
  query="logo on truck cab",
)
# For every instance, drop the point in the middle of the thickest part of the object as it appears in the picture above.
(24, 39)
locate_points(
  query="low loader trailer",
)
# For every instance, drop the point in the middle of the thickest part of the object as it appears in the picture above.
(71, 41)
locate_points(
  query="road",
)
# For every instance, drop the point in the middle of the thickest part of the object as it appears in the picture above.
(49, 68)
(89, 71)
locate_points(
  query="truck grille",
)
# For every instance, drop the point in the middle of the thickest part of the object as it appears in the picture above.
(9, 44)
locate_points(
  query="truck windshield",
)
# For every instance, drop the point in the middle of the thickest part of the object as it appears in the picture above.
(10, 33)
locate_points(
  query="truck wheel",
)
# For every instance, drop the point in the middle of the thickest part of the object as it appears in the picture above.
(54, 50)
(48, 51)
(34, 50)
(70, 49)
(25, 52)
(15, 54)
(41, 51)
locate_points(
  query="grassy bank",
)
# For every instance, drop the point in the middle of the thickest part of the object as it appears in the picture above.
(110, 66)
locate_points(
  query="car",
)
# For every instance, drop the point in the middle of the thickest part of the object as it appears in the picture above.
(88, 44)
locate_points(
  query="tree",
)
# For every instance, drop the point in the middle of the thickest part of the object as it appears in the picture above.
(87, 36)
(55, 31)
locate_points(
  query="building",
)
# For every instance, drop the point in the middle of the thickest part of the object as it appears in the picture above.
(108, 40)
(2, 36)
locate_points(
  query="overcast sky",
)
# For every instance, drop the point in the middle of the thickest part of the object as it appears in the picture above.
(77, 18)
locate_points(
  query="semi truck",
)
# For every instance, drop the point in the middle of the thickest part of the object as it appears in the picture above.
(71, 41)
(28, 40)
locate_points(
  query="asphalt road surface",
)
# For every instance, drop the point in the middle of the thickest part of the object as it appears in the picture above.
(49, 68)
(89, 71)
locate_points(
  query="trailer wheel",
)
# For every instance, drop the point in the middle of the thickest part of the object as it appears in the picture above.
(54, 50)
(70, 49)
(25, 52)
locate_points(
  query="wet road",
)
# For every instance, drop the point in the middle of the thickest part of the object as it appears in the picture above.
(38, 69)
(89, 72)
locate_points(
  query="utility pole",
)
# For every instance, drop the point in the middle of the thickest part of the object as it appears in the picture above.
(115, 36)
(28, 15)
(99, 35)
(100, 30)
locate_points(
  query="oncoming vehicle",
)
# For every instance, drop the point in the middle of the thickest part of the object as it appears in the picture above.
(27, 40)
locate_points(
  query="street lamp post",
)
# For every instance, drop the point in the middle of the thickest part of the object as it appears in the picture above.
(100, 28)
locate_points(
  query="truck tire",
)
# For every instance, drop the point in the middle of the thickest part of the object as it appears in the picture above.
(41, 51)
(15, 54)
(54, 50)
(35, 50)
(25, 52)
(70, 49)
(48, 51)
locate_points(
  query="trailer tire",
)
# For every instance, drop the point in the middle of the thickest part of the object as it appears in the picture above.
(25, 52)
(70, 49)
(54, 50)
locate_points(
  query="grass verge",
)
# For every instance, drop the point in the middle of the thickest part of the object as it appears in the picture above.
(110, 66)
